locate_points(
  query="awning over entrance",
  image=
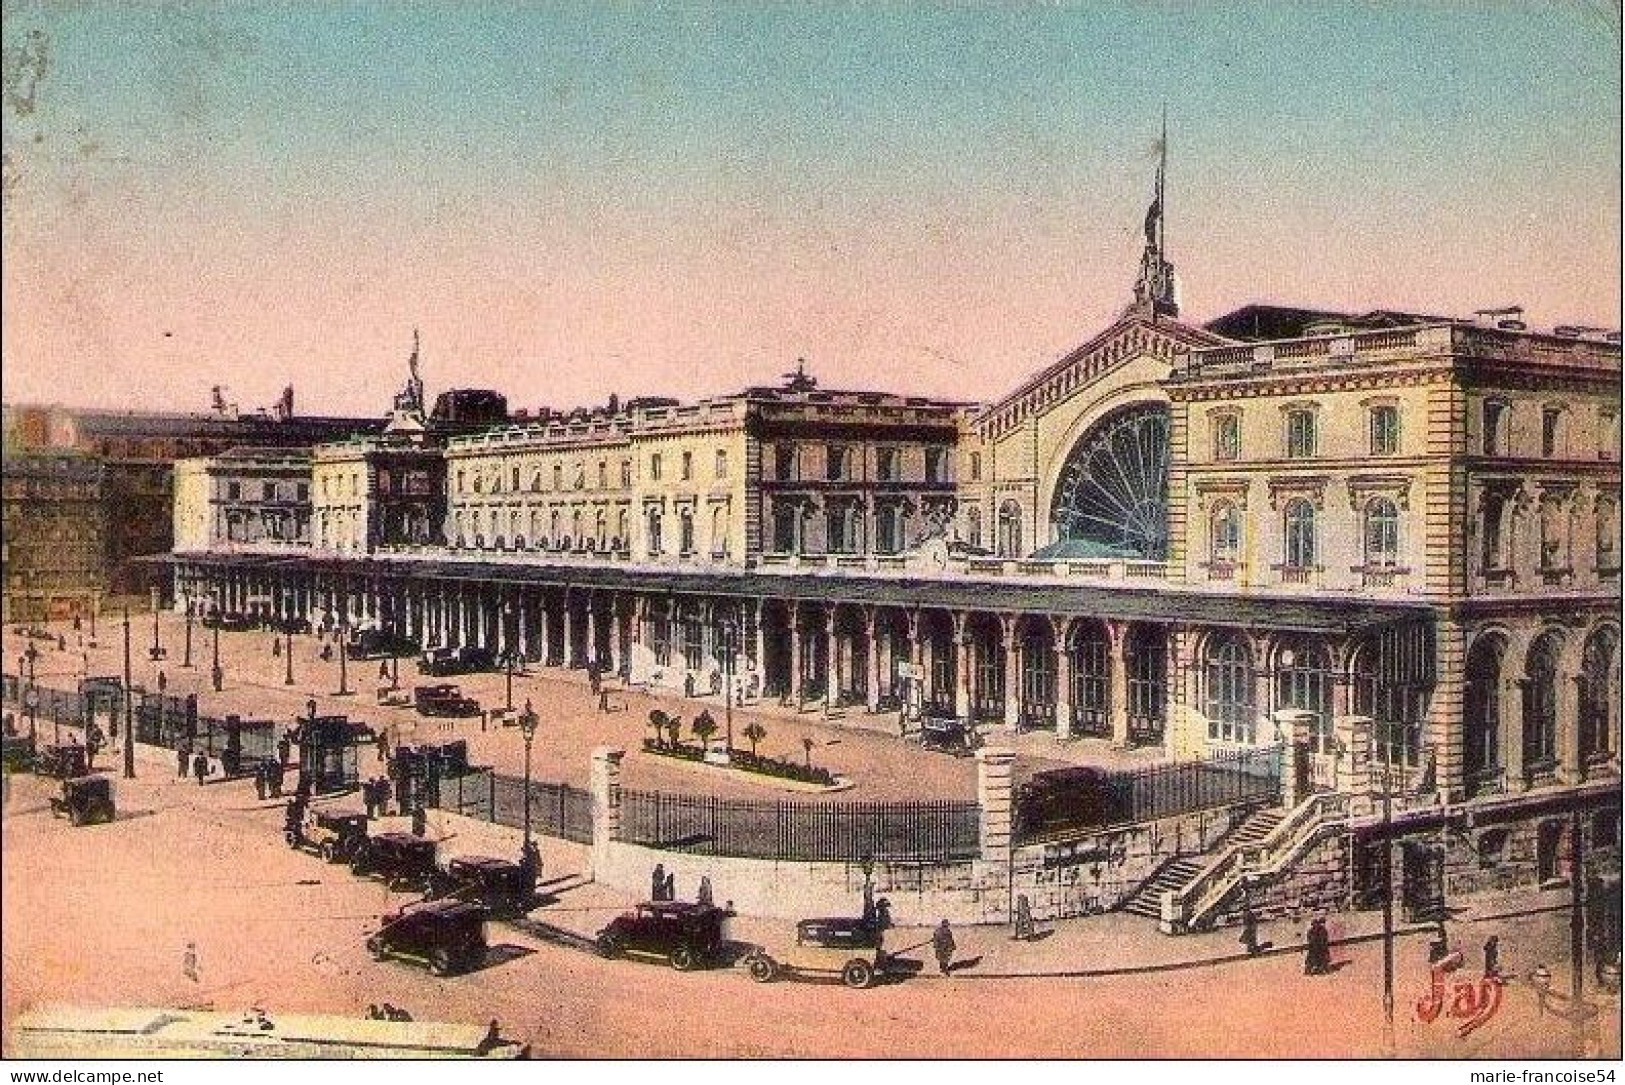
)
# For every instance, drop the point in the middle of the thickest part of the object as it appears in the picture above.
(1168, 604)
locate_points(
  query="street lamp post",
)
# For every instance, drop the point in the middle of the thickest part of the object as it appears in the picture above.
(129, 705)
(287, 652)
(527, 729)
(216, 675)
(340, 638)
(728, 682)
(1386, 738)
(508, 676)
(157, 652)
(186, 658)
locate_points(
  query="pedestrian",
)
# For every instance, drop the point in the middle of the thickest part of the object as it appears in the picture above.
(882, 914)
(182, 759)
(163, 682)
(1249, 930)
(200, 768)
(1439, 948)
(657, 882)
(670, 892)
(276, 771)
(420, 820)
(942, 944)
(703, 895)
(276, 647)
(327, 653)
(93, 742)
(1317, 957)
(603, 701)
(381, 740)
(262, 780)
(284, 750)
(383, 672)
(61, 643)
(1024, 918)
(594, 682)
(1492, 957)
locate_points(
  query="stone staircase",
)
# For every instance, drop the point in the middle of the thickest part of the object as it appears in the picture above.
(1179, 872)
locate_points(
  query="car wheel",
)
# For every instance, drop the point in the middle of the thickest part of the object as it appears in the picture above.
(75, 818)
(325, 850)
(609, 946)
(375, 948)
(762, 968)
(293, 841)
(683, 958)
(440, 963)
(858, 974)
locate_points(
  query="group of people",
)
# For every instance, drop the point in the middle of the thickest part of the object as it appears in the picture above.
(268, 777)
(662, 886)
(375, 796)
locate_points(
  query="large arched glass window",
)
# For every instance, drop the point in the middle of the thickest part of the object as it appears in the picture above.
(1303, 680)
(1224, 533)
(1481, 715)
(1540, 704)
(1300, 534)
(1227, 695)
(1381, 533)
(1599, 684)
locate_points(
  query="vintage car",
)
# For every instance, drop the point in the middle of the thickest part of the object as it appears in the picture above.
(463, 660)
(378, 644)
(63, 761)
(335, 837)
(445, 699)
(18, 753)
(846, 948)
(686, 935)
(447, 936)
(400, 860)
(231, 623)
(85, 800)
(497, 884)
(947, 735)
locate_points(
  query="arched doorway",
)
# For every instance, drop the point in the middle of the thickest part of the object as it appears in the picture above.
(1146, 659)
(1303, 680)
(1111, 499)
(1037, 641)
(1481, 715)
(1091, 680)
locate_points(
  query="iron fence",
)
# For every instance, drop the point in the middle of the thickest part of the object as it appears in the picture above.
(804, 831)
(557, 810)
(1067, 801)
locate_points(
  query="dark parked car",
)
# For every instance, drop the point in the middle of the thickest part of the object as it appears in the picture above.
(401, 860)
(1068, 799)
(440, 661)
(447, 936)
(337, 838)
(85, 800)
(62, 762)
(18, 753)
(378, 644)
(231, 623)
(445, 699)
(686, 935)
(947, 735)
(496, 883)
(290, 625)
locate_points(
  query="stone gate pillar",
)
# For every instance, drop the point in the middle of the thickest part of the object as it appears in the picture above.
(606, 804)
(1294, 725)
(995, 794)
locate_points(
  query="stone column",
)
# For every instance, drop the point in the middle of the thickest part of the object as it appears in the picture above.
(1356, 738)
(871, 681)
(592, 629)
(1512, 723)
(568, 627)
(995, 794)
(1062, 627)
(759, 636)
(1294, 725)
(1008, 624)
(795, 653)
(606, 804)
(832, 660)
(613, 663)
(523, 603)
(1117, 683)
(962, 663)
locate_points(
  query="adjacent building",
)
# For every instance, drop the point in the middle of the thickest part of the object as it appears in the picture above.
(52, 552)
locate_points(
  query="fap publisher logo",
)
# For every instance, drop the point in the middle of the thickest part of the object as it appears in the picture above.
(1472, 1003)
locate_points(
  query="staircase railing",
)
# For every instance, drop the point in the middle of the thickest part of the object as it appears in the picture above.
(1188, 907)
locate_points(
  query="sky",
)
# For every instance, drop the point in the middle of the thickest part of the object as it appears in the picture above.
(576, 199)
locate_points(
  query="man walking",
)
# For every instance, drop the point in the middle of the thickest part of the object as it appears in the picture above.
(1249, 931)
(262, 781)
(1317, 958)
(200, 768)
(942, 944)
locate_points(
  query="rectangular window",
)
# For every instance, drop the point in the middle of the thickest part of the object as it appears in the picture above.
(688, 466)
(603, 475)
(886, 464)
(1384, 431)
(976, 467)
(784, 463)
(1551, 428)
(835, 464)
(654, 467)
(626, 474)
(1494, 428)
(234, 491)
(268, 491)
(722, 463)
(1300, 434)
(936, 465)
(1226, 437)
(303, 491)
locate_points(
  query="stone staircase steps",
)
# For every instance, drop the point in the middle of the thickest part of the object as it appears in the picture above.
(1178, 873)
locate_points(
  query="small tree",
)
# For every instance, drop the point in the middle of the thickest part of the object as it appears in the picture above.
(703, 727)
(657, 721)
(807, 744)
(754, 733)
(674, 730)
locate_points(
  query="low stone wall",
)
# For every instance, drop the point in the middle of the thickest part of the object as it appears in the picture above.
(1099, 872)
(1317, 882)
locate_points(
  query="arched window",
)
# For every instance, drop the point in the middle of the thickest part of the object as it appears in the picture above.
(1599, 662)
(1227, 694)
(575, 527)
(1303, 680)
(623, 535)
(973, 526)
(1540, 704)
(1300, 534)
(600, 528)
(1224, 533)
(536, 480)
(719, 533)
(1009, 530)
(1481, 715)
(1381, 533)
